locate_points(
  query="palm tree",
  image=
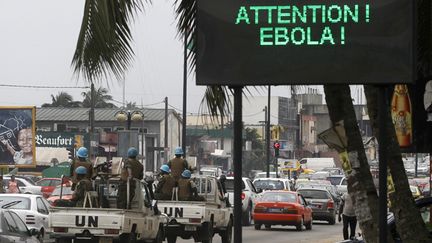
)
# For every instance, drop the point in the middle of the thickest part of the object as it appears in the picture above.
(104, 49)
(101, 99)
(62, 99)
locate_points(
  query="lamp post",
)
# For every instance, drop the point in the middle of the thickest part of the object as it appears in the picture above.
(130, 116)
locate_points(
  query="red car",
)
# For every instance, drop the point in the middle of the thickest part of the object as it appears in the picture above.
(282, 208)
(49, 184)
(55, 195)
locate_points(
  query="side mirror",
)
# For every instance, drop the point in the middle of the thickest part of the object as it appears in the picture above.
(34, 232)
(259, 190)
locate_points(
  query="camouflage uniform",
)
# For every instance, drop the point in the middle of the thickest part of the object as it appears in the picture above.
(75, 164)
(83, 186)
(2, 187)
(164, 187)
(177, 166)
(137, 173)
(187, 190)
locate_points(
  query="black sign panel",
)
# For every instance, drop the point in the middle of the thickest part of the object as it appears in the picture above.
(255, 42)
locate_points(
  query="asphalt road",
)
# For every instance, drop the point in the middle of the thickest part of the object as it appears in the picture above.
(321, 233)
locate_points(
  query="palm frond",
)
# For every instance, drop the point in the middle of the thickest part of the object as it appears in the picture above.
(104, 43)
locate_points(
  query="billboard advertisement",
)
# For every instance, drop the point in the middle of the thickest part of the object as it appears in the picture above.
(17, 136)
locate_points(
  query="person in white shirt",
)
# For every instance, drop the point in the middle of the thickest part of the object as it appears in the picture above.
(348, 216)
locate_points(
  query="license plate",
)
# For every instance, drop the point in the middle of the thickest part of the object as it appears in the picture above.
(275, 210)
(316, 205)
(189, 228)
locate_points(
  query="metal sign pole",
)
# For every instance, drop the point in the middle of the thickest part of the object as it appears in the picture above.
(382, 165)
(238, 126)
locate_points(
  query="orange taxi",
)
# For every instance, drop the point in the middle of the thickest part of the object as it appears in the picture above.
(282, 208)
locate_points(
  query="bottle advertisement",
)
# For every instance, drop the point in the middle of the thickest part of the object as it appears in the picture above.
(401, 114)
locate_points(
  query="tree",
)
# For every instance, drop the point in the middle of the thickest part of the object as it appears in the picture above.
(62, 99)
(101, 98)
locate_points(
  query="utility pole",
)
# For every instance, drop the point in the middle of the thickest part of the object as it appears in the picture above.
(184, 92)
(267, 143)
(92, 118)
(268, 130)
(166, 131)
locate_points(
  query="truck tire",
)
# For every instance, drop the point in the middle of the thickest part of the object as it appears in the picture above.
(299, 226)
(160, 236)
(61, 240)
(171, 239)
(226, 235)
(209, 227)
(128, 238)
(247, 216)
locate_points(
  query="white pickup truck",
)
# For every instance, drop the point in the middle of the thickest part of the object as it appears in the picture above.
(200, 220)
(142, 222)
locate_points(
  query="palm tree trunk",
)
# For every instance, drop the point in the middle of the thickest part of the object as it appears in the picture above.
(409, 222)
(360, 183)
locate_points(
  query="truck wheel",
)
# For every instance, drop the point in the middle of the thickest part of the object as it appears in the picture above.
(129, 238)
(247, 216)
(159, 236)
(63, 240)
(171, 239)
(257, 226)
(210, 233)
(309, 225)
(227, 233)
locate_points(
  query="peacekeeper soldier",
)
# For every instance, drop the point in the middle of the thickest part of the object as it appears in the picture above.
(187, 190)
(82, 187)
(178, 164)
(165, 184)
(132, 169)
(81, 160)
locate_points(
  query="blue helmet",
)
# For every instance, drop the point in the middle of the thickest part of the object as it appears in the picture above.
(186, 174)
(165, 168)
(132, 152)
(82, 152)
(178, 150)
(81, 170)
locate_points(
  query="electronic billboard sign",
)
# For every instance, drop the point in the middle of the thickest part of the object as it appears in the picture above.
(280, 42)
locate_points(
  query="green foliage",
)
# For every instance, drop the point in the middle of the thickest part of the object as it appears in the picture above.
(101, 97)
(62, 99)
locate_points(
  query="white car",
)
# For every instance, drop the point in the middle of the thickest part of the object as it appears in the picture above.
(32, 209)
(272, 184)
(26, 185)
(249, 193)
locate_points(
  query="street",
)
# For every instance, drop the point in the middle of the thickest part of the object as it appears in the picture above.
(321, 233)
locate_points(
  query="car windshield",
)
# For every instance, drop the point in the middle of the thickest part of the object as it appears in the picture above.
(269, 185)
(278, 197)
(14, 202)
(335, 180)
(313, 194)
(66, 191)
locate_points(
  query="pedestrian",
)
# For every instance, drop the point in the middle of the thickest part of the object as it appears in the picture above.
(2, 187)
(132, 169)
(13, 185)
(165, 184)
(187, 188)
(81, 160)
(178, 164)
(83, 186)
(348, 216)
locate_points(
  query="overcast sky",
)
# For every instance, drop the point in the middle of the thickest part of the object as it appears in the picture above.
(38, 39)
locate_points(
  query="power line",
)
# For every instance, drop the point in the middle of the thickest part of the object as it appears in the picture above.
(43, 86)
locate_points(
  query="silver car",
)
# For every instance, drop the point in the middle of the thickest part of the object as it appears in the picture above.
(322, 204)
(13, 229)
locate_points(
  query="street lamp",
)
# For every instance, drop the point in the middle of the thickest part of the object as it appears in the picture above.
(129, 116)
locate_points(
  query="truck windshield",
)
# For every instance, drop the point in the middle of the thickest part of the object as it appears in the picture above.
(14, 202)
